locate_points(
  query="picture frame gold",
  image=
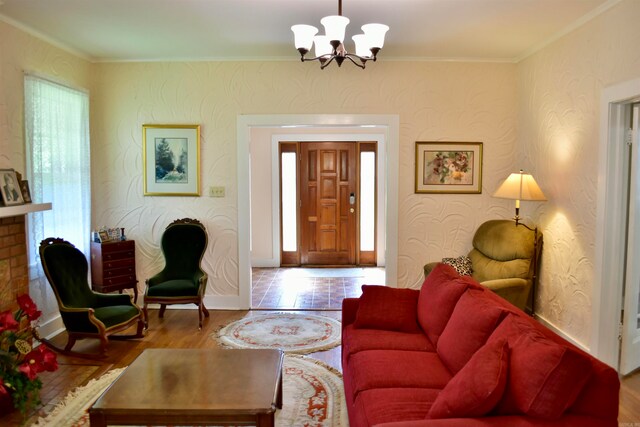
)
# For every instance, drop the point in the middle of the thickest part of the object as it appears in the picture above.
(448, 167)
(171, 157)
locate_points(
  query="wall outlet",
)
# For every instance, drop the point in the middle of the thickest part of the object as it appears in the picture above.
(216, 191)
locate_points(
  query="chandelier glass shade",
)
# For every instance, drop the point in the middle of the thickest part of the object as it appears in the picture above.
(330, 45)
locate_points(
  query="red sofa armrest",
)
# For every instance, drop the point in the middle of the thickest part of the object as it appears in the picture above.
(349, 311)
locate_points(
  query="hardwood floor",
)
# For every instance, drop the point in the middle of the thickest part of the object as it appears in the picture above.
(179, 329)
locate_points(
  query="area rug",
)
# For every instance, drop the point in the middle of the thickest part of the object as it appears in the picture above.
(290, 332)
(313, 395)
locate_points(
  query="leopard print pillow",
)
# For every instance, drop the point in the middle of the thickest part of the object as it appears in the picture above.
(462, 264)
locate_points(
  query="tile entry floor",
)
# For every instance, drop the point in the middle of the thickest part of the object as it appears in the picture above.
(310, 288)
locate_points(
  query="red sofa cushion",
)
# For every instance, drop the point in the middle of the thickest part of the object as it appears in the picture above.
(473, 320)
(545, 378)
(387, 308)
(438, 297)
(396, 369)
(383, 405)
(478, 387)
(356, 340)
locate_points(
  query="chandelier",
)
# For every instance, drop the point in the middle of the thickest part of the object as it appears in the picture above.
(330, 46)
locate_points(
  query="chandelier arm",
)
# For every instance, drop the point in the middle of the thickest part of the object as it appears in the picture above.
(317, 58)
(323, 66)
(350, 56)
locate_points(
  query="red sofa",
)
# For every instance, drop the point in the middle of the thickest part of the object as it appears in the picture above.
(456, 354)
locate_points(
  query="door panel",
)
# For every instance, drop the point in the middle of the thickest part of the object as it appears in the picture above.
(328, 221)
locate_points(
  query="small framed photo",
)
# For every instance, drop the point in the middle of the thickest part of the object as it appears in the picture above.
(448, 167)
(24, 189)
(10, 188)
(171, 156)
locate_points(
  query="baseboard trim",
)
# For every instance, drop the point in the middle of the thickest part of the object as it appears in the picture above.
(52, 327)
(265, 263)
(212, 302)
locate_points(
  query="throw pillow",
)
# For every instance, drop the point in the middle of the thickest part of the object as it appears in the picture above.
(385, 308)
(478, 387)
(438, 296)
(473, 320)
(545, 378)
(462, 264)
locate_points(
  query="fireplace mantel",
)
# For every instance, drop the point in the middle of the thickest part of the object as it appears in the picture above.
(7, 211)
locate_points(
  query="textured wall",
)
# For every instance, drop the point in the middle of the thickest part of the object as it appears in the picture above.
(559, 93)
(21, 52)
(435, 101)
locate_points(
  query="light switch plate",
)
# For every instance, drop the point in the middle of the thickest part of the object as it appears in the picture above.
(216, 191)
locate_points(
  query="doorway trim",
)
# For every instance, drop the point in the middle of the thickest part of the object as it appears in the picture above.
(315, 137)
(610, 231)
(389, 125)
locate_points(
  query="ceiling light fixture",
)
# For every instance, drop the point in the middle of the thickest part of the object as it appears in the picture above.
(330, 46)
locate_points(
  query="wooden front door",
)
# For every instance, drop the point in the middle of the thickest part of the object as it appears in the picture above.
(328, 190)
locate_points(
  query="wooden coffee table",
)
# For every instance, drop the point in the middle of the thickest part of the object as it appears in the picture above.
(194, 387)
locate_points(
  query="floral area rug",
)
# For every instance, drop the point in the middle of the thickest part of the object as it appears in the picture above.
(313, 396)
(289, 332)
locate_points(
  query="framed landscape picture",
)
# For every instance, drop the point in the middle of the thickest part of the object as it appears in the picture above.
(171, 156)
(448, 167)
(10, 188)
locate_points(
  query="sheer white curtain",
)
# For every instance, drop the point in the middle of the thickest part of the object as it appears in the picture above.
(58, 170)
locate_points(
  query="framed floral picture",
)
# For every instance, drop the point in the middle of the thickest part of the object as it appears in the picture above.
(448, 167)
(171, 156)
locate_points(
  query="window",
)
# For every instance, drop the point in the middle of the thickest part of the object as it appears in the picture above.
(57, 155)
(289, 204)
(367, 200)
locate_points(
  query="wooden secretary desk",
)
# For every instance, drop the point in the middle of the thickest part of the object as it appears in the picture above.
(113, 267)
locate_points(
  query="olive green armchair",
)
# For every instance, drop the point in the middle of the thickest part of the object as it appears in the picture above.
(505, 258)
(182, 281)
(85, 313)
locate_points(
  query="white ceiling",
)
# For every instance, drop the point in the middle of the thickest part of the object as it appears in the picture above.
(132, 30)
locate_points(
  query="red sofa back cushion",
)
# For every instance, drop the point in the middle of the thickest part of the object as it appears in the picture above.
(478, 387)
(388, 309)
(545, 377)
(473, 320)
(438, 297)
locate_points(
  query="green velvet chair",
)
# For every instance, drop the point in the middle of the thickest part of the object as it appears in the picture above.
(85, 313)
(182, 281)
(505, 259)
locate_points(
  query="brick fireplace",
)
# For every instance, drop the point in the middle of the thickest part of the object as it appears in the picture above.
(14, 273)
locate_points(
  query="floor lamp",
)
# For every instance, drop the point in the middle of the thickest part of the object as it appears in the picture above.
(522, 186)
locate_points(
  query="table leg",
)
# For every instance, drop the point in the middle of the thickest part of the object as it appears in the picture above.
(97, 420)
(263, 420)
(279, 395)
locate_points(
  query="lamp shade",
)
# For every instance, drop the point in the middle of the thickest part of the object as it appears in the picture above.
(323, 48)
(303, 36)
(335, 26)
(375, 34)
(520, 186)
(362, 45)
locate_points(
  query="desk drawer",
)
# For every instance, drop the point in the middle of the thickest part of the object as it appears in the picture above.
(119, 280)
(124, 271)
(118, 255)
(117, 264)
